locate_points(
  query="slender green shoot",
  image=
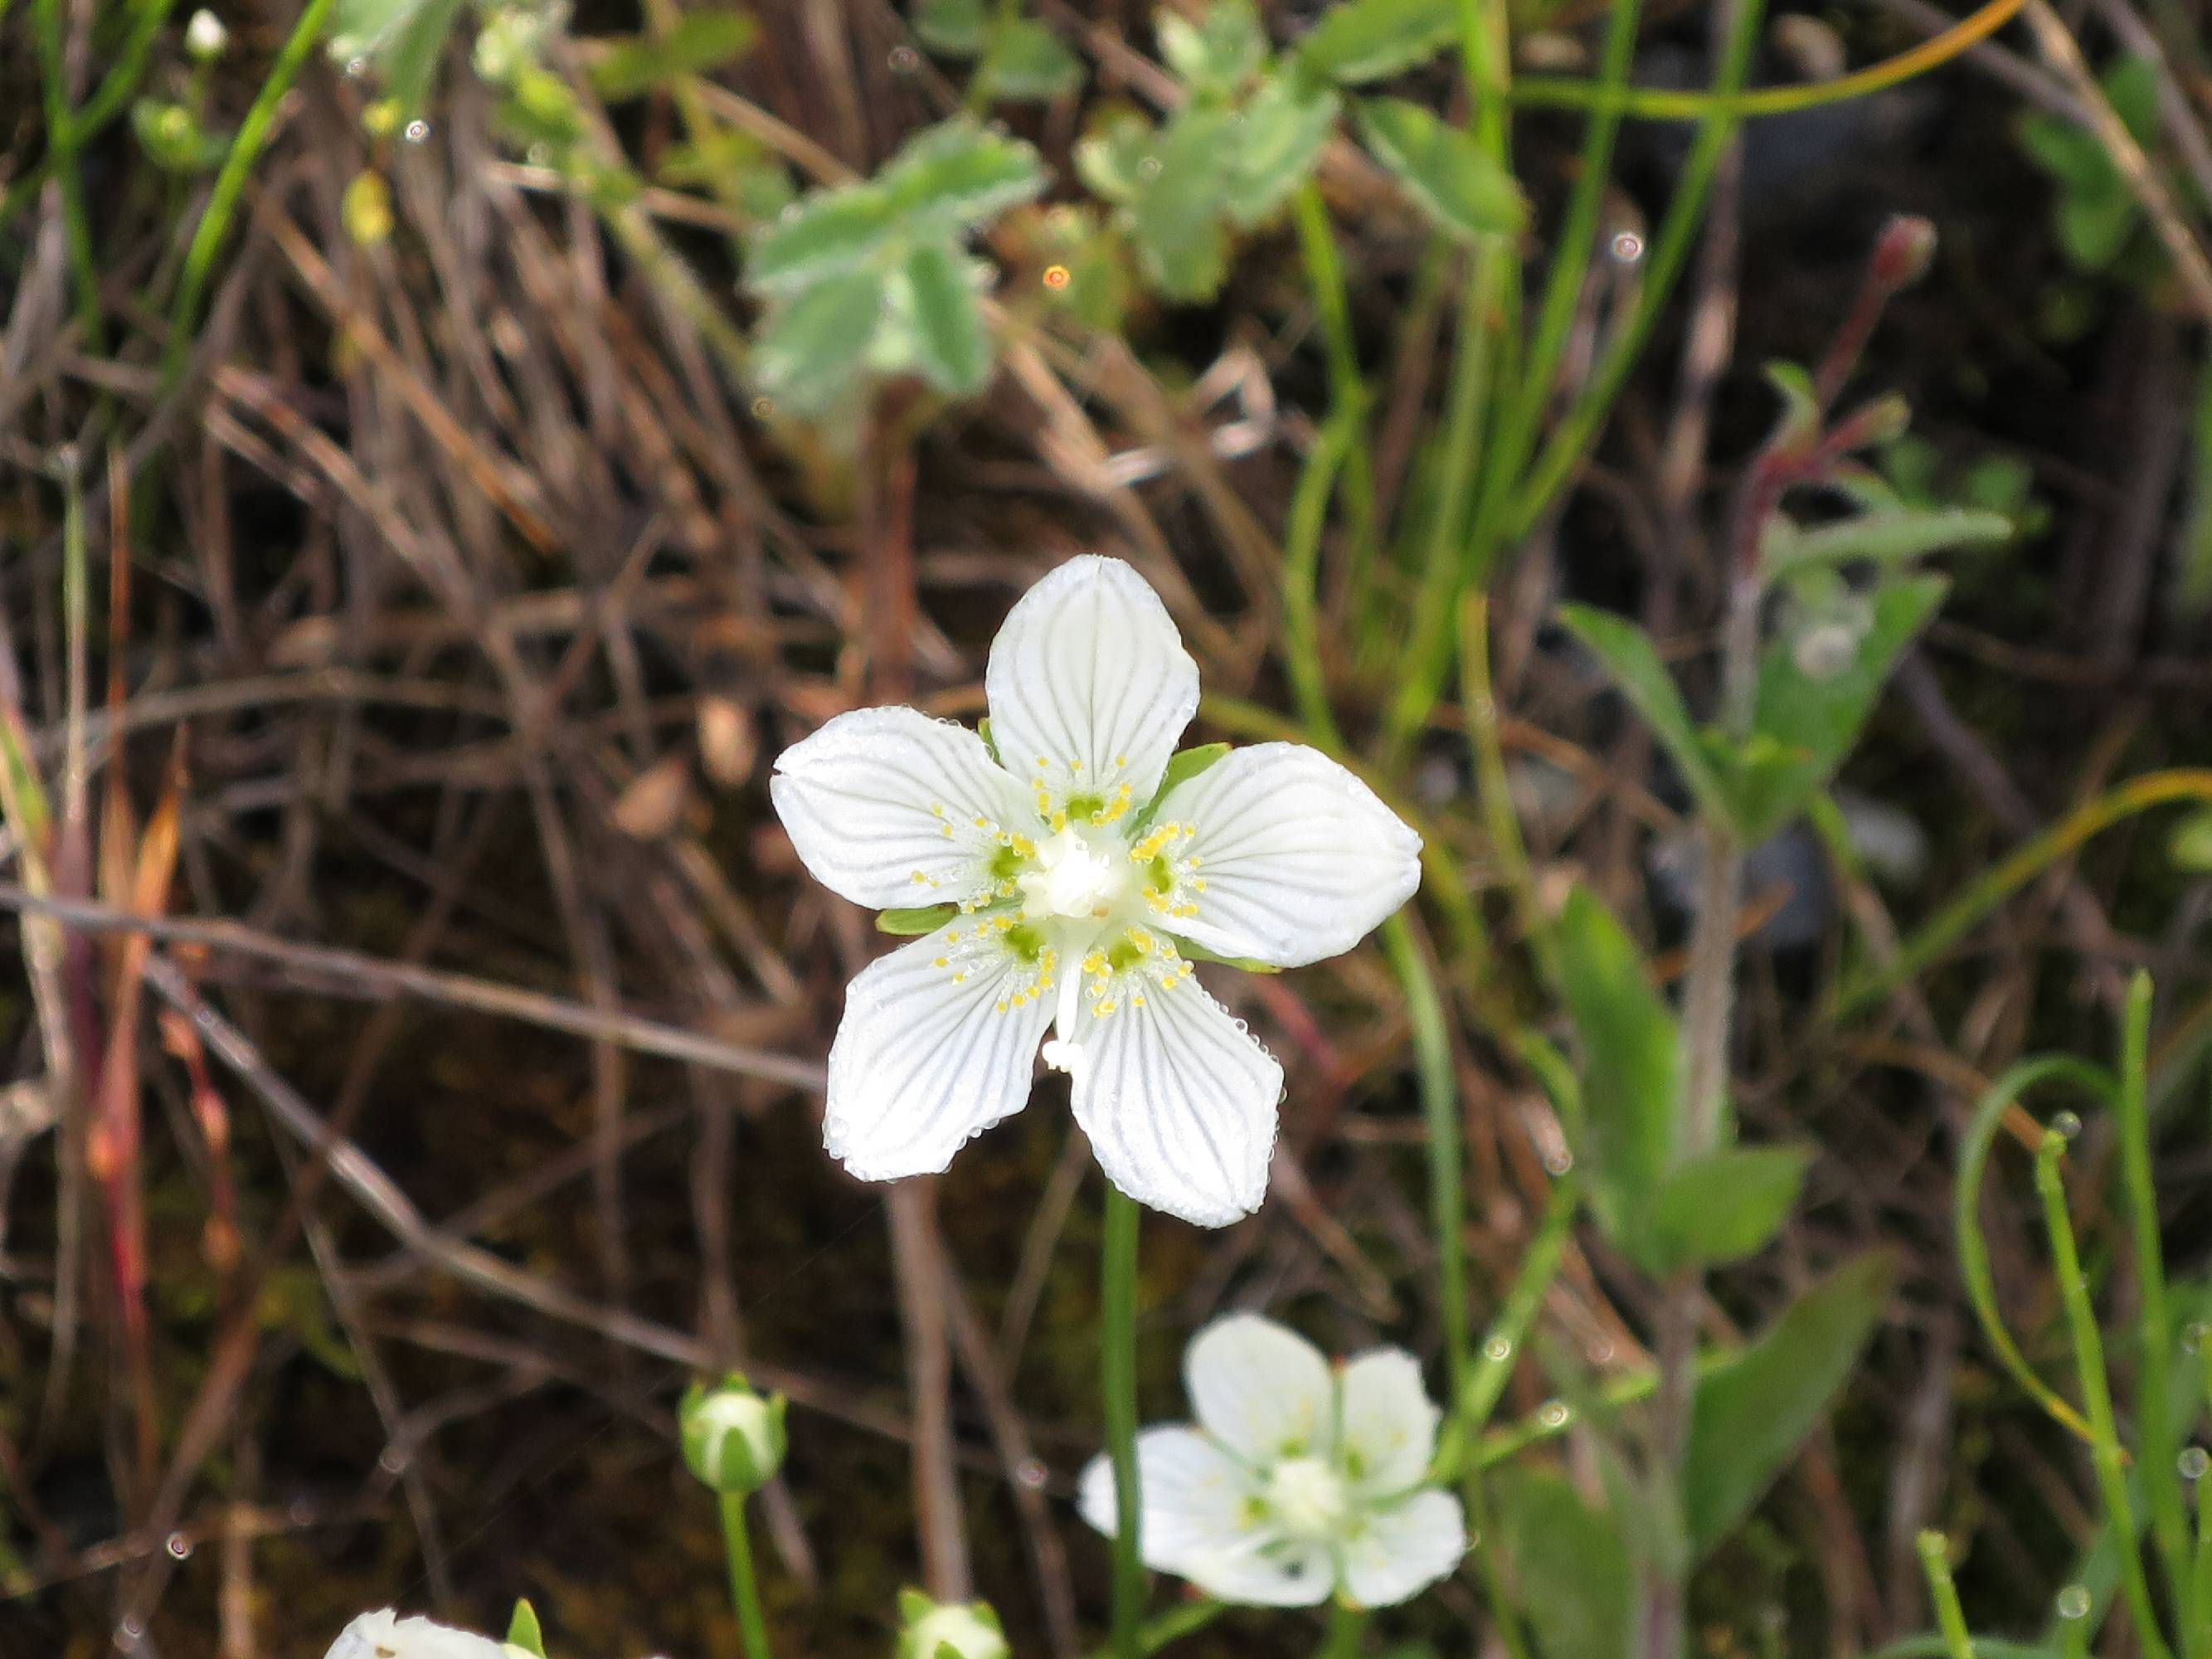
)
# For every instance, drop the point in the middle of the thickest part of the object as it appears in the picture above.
(2109, 1460)
(1950, 1617)
(1347, 1625)
(1440, 1111)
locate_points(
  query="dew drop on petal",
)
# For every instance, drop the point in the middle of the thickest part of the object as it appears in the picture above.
(179, 1547)
(1627, 247)
(2192, 1463)
(2066, 1126)
(2074, 1602)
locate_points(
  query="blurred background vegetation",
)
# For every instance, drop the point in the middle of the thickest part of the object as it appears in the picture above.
(447, 451)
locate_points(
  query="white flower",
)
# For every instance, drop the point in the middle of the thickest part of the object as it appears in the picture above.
(1297, 1481)
(387, 1635)
(1074, 888)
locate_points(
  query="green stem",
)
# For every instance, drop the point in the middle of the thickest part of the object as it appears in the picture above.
(2154, 1426)
(1950, 1617)
(1347, 1625)
(744, 1589)
(1117, 1381)
(1578, 428)
(1501, 1344)
(230, 184)
(1440, 1112)
(1301, 571)
(2110, 1461)
(1348, 388)
(1493, 789)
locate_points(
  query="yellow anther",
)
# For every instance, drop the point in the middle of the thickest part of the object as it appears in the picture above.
(941, 962)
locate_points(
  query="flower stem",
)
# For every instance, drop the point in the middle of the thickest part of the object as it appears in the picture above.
(1440, 1111)
(744, 1590)
(1347, 1625)
(1117, 1382)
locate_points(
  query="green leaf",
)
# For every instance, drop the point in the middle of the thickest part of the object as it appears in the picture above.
(919, 919)
(1722, 1209)
(1801, 407)
(1110, 158)
(1027, 63)
(1629, 657)
(1753, 1414)
(953, 29)
(1184, 765)
(811, 351)
(699, 42)
(953, 347)
(1576, 1583)
(1631, 1077)
(831, 233)
(957, 175)
(1368, 40)
(1182, 190)
(405, 39)
(523, 1630)
(1220, 51)
(1891, 537)
(1809, 725)
(1465, 188)
(1199, 953)
(1286, 123)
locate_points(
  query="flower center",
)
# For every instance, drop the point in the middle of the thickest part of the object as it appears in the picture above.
(1308, 1498)
(1071, 879)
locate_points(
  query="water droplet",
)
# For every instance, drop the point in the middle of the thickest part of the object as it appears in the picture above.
(2066, 1126)
(1497, 1349)
(180, 1546)
(1554, 1414)
(391, 1460)
(537, 154)
(2193, 1336)
(762, 409)
(1029, 1472)
(1601, 1351)
(2192, 1463)
(1149, 167)
(2074, 1602)
(1628, 247)
(1559, 1162)
(1055, 276)
(416, 131)
(903, 60)
(128, 1633)
(356, 68)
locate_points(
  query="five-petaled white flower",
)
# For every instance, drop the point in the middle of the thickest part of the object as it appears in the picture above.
(1073, 887)
(1297, 1481)
(384, 1635)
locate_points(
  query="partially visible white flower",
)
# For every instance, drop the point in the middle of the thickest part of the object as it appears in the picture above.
(1299, 1479)
(732, 1437)
(1077, 893)
(384, 1635)
(206, 36)
(949, 1630)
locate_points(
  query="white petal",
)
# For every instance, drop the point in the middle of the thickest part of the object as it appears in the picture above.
(1179, 1102)
(382, 1635)
(1265, 1572)
(1194, 1497)
(1388, 1430)
(1089, 685)
(1260, 1389)
(938, 1043)
(1404, 1548)
(1297, 858)
(883, 807)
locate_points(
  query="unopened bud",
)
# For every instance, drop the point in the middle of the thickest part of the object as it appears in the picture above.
(206, 36)
(934, 1629)
(733, 1438)
(1906, 249)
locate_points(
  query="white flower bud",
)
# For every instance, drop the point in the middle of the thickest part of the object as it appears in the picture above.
(935, 1630)
(733, 1438)
(205, 37)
